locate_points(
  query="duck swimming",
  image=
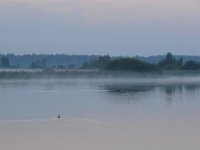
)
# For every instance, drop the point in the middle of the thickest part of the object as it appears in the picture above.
(58, 116)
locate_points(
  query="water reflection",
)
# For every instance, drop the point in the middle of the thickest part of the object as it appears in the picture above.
(192, 87)
(171, 91)
(128, 88)
(96, 98)
(127, 93)
(139, 91)
(15, 84)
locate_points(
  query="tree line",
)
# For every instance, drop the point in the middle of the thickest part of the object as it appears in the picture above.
(106, 62)
(169, 63)
(44, 60)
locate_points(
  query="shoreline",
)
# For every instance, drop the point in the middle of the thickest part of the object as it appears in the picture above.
(87, 74)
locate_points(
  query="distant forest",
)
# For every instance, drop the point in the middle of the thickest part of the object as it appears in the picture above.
(40, 61)
(137, 63)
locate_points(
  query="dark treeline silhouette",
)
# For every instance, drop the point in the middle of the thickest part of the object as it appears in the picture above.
(130, 64)
(5, 62)
(191, 65)
(169, 63)
(99, 63)
(39, 64)
(120, 64)
(156, 59)
(41, 61)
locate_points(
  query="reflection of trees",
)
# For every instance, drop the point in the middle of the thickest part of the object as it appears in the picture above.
(192, 87)
(171, 90)
(174, 89)
(127, 93)
(125, 89)
(178, 89)
(139, 91)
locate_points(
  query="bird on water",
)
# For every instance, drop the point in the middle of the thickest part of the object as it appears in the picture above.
(58, 116)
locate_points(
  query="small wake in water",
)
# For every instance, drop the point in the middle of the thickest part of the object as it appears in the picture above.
(44, 91)
(86, 120)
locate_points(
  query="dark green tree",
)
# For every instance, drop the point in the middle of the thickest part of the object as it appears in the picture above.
(100, 63)
(170, 63)
(5, 62)
(39, 64)
(169, 59)
(191, 65)
(181, 61)
(130, 64)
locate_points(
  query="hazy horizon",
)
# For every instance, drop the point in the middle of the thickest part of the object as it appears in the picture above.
(128, 27)
(78, 54)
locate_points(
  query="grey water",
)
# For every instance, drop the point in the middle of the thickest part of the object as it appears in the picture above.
(108, 99)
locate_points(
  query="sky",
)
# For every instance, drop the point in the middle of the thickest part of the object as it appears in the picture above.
(114, 27)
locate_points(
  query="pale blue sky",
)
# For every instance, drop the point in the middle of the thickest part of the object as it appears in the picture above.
(115, 27)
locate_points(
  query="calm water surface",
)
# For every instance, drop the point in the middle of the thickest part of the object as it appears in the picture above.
(108, 99)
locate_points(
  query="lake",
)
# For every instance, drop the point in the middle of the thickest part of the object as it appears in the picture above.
(100, 99)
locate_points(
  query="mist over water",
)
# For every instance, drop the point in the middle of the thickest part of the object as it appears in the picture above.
(100, 99)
